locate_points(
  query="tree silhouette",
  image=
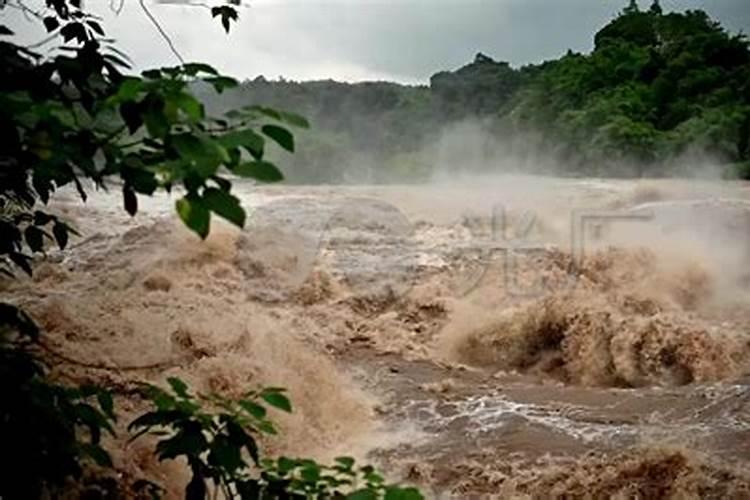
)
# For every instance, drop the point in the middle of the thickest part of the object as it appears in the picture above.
(656, 8)
(632, 8)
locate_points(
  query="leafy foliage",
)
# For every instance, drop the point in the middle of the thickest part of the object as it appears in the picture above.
(216, 436)
(226, 13)
(76, 118)
(308, 479)
(76, 115)
(47, 430)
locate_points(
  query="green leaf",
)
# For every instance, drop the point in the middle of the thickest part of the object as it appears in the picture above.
(152, 74)
(187, 406)
(192, 108)
(267, 427)
(190, 441)
(155, 116)
(194, 214)
(51, 23)
(220, 83)
(282, 136)
(277, 400)
(246, 138)
(259, 170)
(96, 27)
(223, 183)
(117, 61)
(106, 403)
(235, 156)
(22, 261)
(74, 30)
(130, 200)
(252, 449)
(129, 89)
(204, 155)
(193, 69)
(286, 464)
(138, 178)
(97, 454)
(311, 473)
(242, 439)
(282, 116)
(225, 205)
(253, 409)
(187, 145)
(154, 419)
(162, 399)
(225, 454)
(269, 112)
(131, 114)
(60, 231)
(179, 387)
(90, 417)
(346, 462)
(227, 14)
(41, 218)
(294, 119)
(34, 238)
(363, 494)
(373, 478)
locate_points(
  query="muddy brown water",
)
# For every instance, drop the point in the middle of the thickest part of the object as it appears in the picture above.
(478, 339)
(521, 416)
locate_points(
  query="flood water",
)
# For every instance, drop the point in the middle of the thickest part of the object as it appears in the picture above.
(512, 336)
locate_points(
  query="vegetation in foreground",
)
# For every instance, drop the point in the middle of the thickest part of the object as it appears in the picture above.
(78, 115)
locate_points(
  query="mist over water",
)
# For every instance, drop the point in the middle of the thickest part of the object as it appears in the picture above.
(440, 327)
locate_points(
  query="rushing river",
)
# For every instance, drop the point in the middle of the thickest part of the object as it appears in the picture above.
(512, 336)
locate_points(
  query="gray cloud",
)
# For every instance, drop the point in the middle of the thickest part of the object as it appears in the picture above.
(406, 40)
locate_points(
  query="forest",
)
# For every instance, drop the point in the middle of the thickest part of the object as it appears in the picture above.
(660, 95)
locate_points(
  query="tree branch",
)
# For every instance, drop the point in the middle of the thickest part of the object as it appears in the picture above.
(161, 31)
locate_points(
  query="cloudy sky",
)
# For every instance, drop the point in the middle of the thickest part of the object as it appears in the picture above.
(353, 40)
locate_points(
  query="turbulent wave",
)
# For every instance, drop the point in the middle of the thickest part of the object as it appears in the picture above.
(624, 322)
(646, 473)
(154, 302)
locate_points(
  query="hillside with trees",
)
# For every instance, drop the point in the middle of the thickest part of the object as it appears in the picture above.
(659, 93)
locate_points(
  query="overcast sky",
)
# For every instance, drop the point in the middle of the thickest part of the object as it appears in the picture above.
(353, 40)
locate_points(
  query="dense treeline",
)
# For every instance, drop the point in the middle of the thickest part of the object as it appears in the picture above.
(659, 94)
(657, 88)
